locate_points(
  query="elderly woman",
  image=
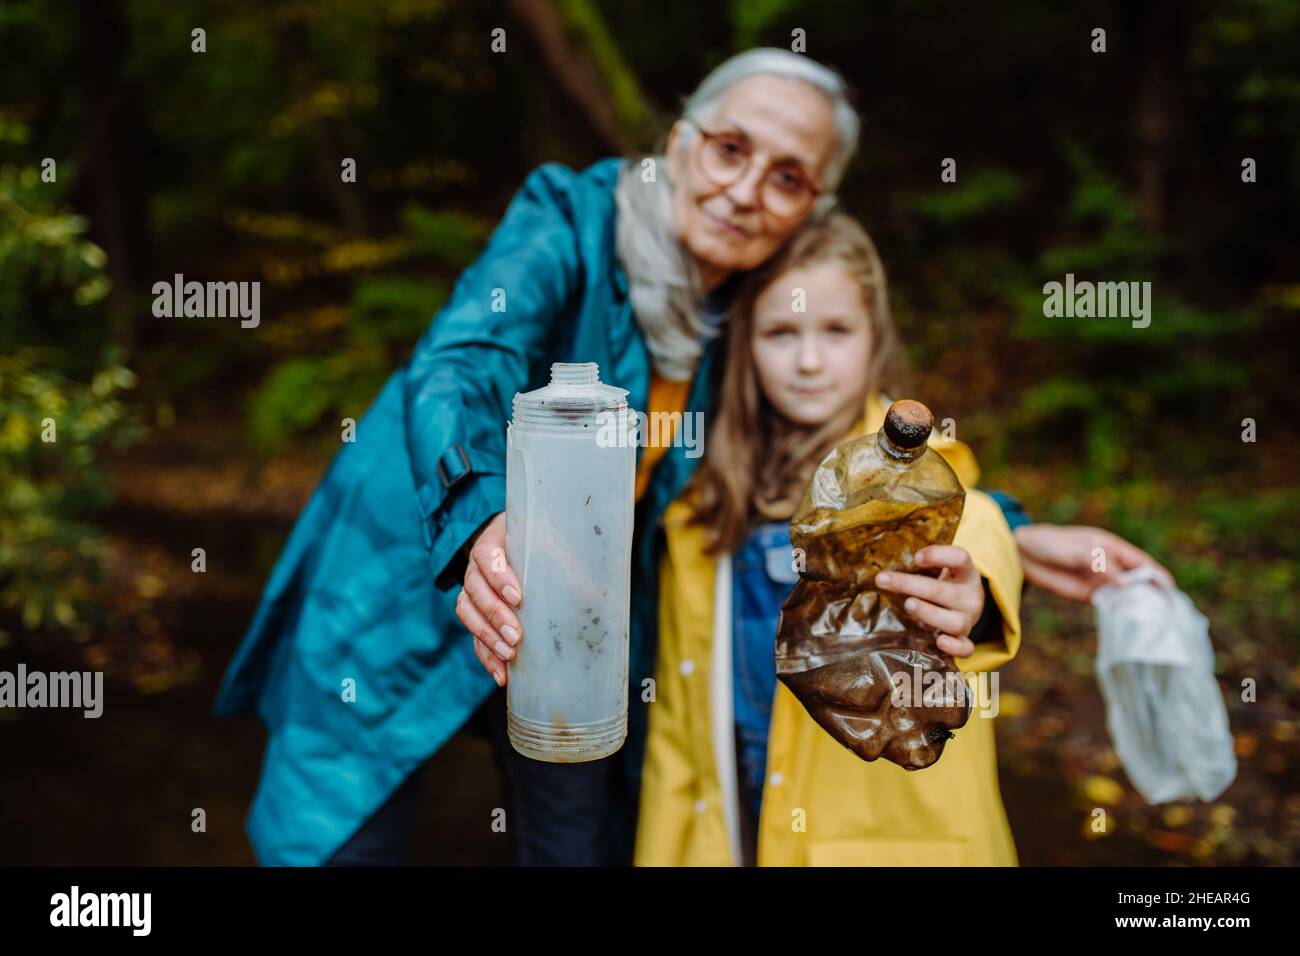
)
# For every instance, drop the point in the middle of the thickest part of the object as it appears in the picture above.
(355, 659)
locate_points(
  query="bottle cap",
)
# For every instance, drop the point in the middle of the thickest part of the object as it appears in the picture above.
(908, 423)
(574, 398)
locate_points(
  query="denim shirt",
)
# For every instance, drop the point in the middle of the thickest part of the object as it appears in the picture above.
(762, 578)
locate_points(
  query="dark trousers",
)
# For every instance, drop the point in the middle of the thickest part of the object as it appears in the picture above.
(385, 839)
(573, 814)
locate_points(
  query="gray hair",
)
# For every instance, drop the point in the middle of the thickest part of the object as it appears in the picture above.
(664, 284)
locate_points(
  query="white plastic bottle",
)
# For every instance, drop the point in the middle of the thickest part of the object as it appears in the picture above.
(570, 478)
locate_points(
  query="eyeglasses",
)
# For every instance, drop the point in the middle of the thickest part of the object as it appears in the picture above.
(787, 190)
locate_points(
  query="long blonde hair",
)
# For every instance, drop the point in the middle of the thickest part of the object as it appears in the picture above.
(758, 462)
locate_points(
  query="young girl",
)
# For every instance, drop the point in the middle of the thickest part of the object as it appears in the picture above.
(736, 771)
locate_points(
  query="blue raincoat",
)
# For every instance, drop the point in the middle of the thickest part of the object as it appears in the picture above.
(366, 585)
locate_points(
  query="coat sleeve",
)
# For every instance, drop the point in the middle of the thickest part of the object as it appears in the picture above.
(986, 532)
(478, 351)
(668, 783)
(983, 531)
(1012, 509)
(962, 460)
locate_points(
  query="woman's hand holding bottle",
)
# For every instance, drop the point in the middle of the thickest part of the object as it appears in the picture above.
(485, 602)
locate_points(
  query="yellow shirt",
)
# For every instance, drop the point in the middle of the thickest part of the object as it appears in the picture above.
(665, 396)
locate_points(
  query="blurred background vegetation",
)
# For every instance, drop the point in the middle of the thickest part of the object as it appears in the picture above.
(175, 433)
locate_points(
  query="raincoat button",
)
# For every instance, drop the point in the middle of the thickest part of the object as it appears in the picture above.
(701, 805)
(776, 778)
(687, 667)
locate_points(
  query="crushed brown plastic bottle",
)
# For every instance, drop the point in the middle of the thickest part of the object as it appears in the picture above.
(842, 645)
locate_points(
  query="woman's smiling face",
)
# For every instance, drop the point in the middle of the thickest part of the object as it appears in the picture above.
(725, 228)
(812, 364)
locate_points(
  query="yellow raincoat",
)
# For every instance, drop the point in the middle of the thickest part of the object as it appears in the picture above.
(822, 805)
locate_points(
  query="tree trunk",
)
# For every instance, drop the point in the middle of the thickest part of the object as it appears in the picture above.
(111, 184)
(587, 67)
(1161, 33)
(326, 152)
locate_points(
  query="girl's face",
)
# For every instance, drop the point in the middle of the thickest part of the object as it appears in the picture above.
(812, 364)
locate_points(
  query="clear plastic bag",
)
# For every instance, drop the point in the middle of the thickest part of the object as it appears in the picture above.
(1164, 710)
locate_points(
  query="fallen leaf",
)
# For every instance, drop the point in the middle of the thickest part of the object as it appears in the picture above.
(1177, 816)
(148, 585)
(1102, 790)
(1222, 815)
(1170, 842)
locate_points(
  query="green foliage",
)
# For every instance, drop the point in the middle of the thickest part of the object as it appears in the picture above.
(59, 410)
(1235, 548)
(983, 190)
(292, 398)
(449, 238)
(52, 434)
(388, 312)
(1099, 383)
(753, 19)
(1110, 378)
(584, 20)
(49, 271)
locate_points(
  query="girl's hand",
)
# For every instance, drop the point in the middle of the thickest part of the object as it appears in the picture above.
(484, 603)
(952, 602)
(1074, 561)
